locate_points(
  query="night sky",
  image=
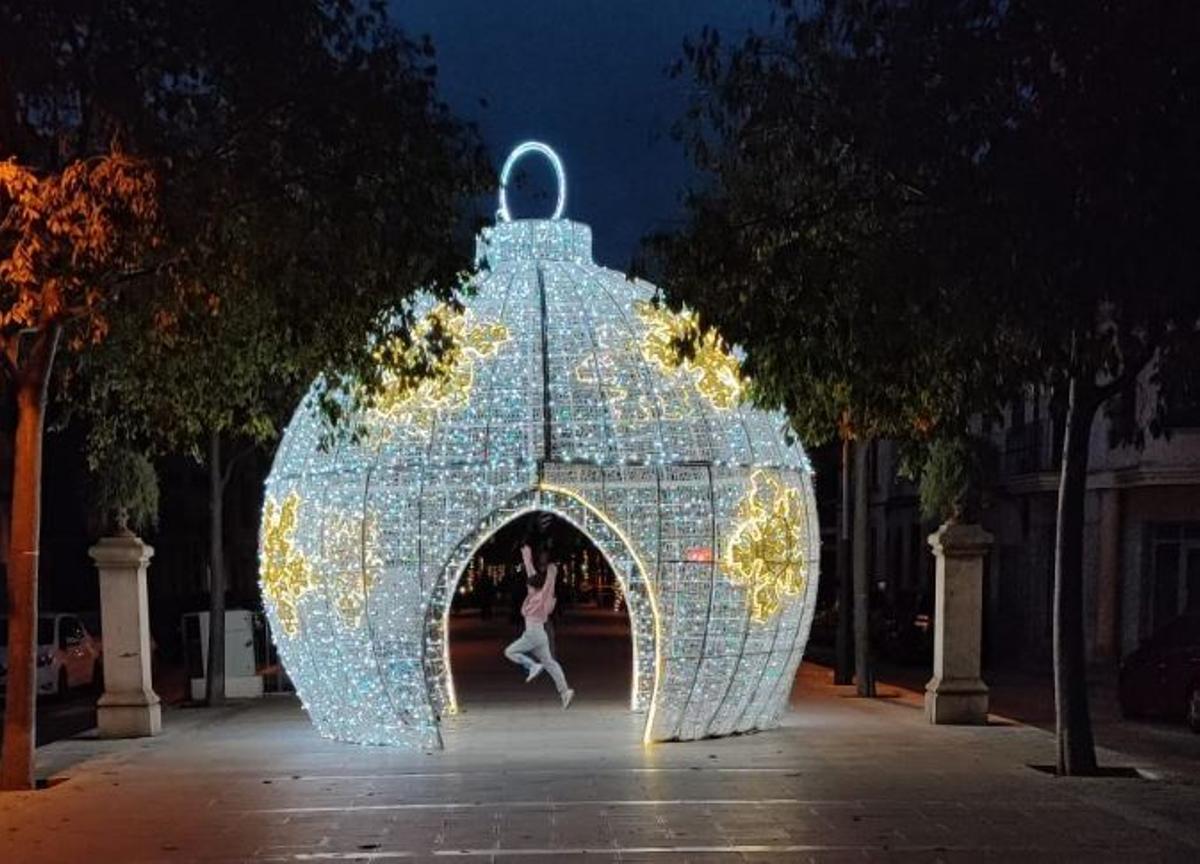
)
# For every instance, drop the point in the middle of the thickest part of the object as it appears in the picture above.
(589, 78)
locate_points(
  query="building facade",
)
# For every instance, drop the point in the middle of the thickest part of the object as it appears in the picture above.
(1141, 535)
(1141, 529)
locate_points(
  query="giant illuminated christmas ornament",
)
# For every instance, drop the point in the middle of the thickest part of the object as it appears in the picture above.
(562, 390)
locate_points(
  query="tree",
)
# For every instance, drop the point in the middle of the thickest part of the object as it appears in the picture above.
(316, 183)
(806, 247)
(1020, 174)
(1091, 197)
(310, 182)
(69, 242)
(123, 493)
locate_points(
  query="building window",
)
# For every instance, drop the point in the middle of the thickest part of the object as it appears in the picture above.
(1172, 586)
(1183, 402)
(1186, 416)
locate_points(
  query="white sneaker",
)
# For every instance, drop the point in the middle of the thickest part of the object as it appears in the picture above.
(534, 671)
(567, 696)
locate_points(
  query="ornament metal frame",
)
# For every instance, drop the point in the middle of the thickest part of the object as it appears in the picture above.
(564, 394)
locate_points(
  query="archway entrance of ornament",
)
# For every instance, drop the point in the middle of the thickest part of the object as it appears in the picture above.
(616, 551)
(590, 629)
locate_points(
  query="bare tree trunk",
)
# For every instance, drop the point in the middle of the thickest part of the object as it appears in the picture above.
(20, 715)
(214, 681)
(1076, 748)
(863, 674)
(844, 666)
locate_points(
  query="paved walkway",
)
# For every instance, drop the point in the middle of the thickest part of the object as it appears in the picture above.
(520, 780)
(843, 780)
(1028, 697)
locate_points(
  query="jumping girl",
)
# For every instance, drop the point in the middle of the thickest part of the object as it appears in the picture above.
(538, 605)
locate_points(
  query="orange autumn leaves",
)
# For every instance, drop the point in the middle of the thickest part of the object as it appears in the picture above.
(68, 239)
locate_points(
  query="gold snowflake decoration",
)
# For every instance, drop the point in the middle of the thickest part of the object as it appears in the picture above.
(765, 553)
(349, 565)
(713, 370)
(417, 390)
(286, 574)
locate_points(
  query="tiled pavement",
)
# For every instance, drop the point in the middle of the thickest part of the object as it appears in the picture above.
(843, 780)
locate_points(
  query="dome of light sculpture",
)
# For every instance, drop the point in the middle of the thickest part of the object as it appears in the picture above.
(562, 391)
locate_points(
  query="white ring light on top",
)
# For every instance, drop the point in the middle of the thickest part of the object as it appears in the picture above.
(520, 150)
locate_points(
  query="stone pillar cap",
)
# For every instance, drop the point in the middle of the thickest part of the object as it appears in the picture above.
(954, 538)
(123, 549)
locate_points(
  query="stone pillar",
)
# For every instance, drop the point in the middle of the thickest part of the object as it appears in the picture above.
(129, 707)
(956, 693)
(1106, 644)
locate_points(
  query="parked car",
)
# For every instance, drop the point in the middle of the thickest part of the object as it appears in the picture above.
(1162, 678)
(67, 654)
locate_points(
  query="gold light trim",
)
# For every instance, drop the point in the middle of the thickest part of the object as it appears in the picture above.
(650, 589)
(713, 370)
(350, 563)
(286, 574)
(415, 392)
(765, 553)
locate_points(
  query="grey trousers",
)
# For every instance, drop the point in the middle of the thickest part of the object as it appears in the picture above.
(534, 641)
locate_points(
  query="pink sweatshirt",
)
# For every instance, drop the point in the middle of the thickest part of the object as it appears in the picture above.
(539, 604)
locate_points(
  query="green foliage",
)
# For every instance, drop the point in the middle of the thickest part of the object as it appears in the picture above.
(124, 491)
(808, 244)
(1086, 195)
(911, 208)
(952, 476)
(311, 182)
